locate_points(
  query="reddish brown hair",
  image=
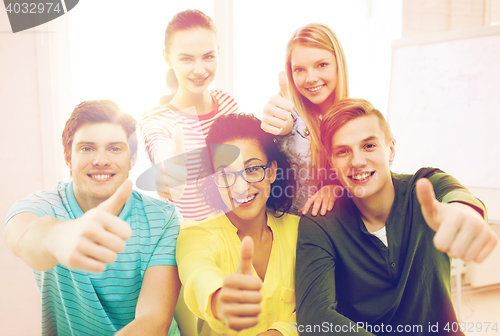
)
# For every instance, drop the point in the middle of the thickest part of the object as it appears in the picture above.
(344, 111)
(98, 111)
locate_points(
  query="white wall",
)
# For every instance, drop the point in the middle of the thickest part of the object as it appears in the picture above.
(20, 175)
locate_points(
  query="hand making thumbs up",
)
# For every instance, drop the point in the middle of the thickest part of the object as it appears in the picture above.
(460, 230)
(237, 303)
(94, 240)
(277, 116)
(171, 159)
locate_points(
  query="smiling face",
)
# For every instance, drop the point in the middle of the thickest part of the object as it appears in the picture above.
(361, 154)
(99, 162)
(247, 201)
(194, 58)
(315, 75)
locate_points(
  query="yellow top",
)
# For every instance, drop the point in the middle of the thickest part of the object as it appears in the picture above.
(209, 251)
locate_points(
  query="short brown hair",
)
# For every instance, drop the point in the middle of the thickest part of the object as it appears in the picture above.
(98, 111)
(344, 111)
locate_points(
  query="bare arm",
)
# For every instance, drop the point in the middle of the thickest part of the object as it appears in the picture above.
(156, 303)
(86, 243)
(25, 236)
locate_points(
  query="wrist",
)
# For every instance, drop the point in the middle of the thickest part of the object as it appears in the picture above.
(215, 304)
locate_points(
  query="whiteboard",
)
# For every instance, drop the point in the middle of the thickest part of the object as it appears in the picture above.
(444, 105)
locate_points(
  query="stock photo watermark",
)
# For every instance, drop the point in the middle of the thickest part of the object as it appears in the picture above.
(26, 14)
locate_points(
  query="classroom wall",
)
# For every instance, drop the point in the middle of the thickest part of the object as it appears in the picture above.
(34, 91)
(31, 159)
(433, 16)
(425, 18)
(22, 154)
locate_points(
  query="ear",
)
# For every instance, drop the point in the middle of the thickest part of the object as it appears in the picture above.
(392, 149)
(167, 58)
(273, 170)
(67, 160)
(133, 160)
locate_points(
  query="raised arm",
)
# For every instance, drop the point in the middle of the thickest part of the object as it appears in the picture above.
(315, 284)
(277, 117)
(200, 273)
(86, 243)
(460, 226)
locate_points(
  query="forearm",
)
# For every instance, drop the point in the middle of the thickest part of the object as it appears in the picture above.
(146, 325)
(29, 240)
(285, 327)
(156, 304)
(185, 319)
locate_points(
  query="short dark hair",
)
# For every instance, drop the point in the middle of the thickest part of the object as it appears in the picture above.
(237, 126)
(98, 111)
(344, 111)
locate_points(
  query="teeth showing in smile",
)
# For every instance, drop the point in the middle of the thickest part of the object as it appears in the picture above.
(198, 80)
(314, 89)
(360, 177)
(244, 200)
(101, 177)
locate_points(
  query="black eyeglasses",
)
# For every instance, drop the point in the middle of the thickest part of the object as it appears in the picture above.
(254, 174)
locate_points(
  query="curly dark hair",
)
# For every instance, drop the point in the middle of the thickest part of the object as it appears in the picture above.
(237, 126)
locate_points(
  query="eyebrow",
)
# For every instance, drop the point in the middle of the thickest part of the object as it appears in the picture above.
(368, 139)
(246, 162)
(323, 60)
(188, 55)
(371, 138)
(114, 143)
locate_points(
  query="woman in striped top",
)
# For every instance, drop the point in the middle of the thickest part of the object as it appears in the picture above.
(191, 51)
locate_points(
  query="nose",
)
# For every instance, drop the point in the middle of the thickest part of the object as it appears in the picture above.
(358, 159)
(240, 186)
(101, 159)
(199, 69)
(311, 77)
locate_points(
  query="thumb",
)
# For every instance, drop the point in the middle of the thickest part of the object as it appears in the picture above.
(427, 199)
(246, 256)
(116, 202)
(179, 151)
(283, 85)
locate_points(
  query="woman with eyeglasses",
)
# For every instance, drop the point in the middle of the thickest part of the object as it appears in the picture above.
(237, 267)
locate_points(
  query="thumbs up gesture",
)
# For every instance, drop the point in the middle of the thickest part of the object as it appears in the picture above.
(95, 239)
(238, 301)
(171, 173)
(460, 230)
(277, 116)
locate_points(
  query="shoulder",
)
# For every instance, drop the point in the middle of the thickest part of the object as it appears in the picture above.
(212, 224)
(286, 221)
(42, 203)
(441, 181)
(285, 228)
(225, 101)
(344, 213)
(205, 235)
(160, 111)
(53, 197)
(155, 209)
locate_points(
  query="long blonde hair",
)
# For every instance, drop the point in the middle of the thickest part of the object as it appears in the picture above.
(318, 36)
